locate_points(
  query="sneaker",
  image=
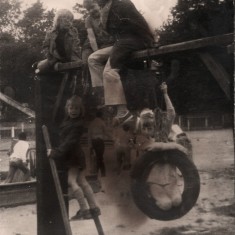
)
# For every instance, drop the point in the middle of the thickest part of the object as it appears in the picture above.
(87, 214)
(120, 120)
(95, 211)
(80, 215)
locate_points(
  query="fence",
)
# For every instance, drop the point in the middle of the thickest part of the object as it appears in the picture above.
(204, 121)
(11, 130)
(187, 123)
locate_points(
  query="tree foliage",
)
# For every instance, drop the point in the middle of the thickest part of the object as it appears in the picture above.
(22, 33)
(35, 23)
(195, 89)
(192, 19)
(10, 11)
(21, 37)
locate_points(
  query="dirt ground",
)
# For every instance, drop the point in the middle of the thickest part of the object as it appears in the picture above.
(214, 212)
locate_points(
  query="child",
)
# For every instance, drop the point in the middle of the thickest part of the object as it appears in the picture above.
(97, 132)
(122, 146)
(61, 43)
(71, 152)
(155, 128)
(18, 159)
(131, 32)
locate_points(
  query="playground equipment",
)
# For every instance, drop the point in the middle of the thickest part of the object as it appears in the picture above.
(50, 218)
(17, 105)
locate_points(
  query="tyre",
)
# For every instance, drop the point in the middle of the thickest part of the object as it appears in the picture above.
(140, 188)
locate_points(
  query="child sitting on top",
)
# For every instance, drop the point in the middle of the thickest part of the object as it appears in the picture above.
(71, 152)
(154, 130)
(61, 43)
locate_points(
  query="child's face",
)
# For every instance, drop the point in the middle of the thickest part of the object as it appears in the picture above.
(147, 124)
(73, 111)
(64, 22)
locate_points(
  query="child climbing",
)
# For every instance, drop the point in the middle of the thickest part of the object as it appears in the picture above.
(71, 152)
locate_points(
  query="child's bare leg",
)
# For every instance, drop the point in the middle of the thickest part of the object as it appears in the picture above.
(10, 175)
(77, 191)
(88, 192)
(22, 166)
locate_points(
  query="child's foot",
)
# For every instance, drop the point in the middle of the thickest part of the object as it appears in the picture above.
(87, 214)
(95, 211)
(80, 215)
(121, 119)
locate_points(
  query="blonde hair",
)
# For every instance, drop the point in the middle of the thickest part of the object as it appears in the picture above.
(62, 13)
(75, 100)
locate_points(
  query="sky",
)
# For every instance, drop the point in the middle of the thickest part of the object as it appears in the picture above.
(154, 11)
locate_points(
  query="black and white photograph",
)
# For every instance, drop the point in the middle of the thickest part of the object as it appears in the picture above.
(117, 117)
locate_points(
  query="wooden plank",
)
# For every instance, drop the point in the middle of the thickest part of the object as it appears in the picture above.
(60, 67)
(16, 105)
(218, 71)
(14, 194)
(184, 46)
(60, 95)
(57, 184)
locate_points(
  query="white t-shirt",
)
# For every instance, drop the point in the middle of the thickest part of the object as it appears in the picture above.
(20, 149)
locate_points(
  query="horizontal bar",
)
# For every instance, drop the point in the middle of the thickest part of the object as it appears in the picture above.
(184, 46)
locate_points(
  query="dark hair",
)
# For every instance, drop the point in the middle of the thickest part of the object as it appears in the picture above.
(22, 136)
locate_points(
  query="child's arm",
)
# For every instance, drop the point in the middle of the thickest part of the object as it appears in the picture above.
(46, 44)
(169, 105)
(70, 142)
(157, 146)
(91, 35)
(92, 39)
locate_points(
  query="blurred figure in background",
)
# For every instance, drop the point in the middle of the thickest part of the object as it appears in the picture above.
(18, 161)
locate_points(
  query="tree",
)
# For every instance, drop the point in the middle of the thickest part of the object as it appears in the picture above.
(22, 46)
(81, 10)
(9, 14)
(195, 89)
(34, 24)
(192, 19)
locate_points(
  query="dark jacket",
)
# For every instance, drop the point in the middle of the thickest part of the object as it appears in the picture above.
(121, 18)
(70, 149)
(103, 39)
(62, 47)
